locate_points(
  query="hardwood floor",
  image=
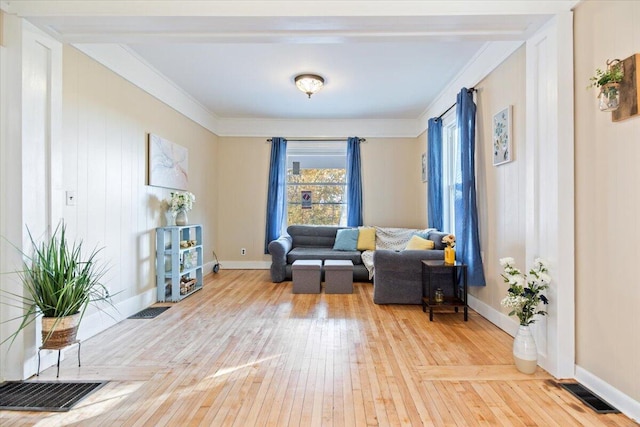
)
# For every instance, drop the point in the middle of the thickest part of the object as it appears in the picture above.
(245, 351)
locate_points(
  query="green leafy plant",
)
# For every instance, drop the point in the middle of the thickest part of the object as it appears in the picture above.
(613, 74)
(59, 280)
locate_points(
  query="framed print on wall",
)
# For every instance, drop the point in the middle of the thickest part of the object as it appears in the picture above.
(424, 167)
(501, 137)
(168, 164)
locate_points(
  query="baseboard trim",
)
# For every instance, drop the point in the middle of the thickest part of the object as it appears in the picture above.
(245, 265)
(626, 405)
(499, 319)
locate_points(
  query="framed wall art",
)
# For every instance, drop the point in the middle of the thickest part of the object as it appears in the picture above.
(168, 164)
(501, 137)
(424, 167)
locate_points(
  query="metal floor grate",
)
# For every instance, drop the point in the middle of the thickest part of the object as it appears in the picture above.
(44, 396)
(589, 398)
(149, 313)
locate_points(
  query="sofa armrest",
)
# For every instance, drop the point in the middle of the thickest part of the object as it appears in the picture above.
(279, 249)
(398, 275)
(436, 237)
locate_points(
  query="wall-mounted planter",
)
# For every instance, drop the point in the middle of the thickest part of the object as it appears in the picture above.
(628, 91)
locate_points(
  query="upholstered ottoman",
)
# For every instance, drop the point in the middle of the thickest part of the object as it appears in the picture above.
(306, 276)
(338, 276)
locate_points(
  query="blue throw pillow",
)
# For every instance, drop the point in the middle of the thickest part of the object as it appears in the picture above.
(346, 239)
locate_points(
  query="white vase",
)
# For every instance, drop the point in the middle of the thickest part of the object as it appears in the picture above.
(525, 352)
(181, 218)
(170, 218)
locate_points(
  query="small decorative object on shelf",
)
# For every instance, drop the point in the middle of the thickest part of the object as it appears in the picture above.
(179, 204)
(449, 252)
(523, 297)
(178, 261)
(609, 83)
(438, 296)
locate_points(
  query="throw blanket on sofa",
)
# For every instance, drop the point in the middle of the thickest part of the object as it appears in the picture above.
(394, 239)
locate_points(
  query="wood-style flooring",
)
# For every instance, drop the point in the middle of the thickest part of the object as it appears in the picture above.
(247, 352)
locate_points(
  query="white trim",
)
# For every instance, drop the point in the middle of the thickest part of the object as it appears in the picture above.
(499, 319)
(326, 128)
(245, 265)
(487, 59)
(550, 219)
(612, 395)
(127, 64)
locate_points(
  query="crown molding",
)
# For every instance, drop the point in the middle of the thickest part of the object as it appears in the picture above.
(124, 62)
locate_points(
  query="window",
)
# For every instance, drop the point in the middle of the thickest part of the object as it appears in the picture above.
(316, 183)
(450, 170)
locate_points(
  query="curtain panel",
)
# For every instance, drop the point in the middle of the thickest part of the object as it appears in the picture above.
(466, 212)
(434, 185)
(277, 192)
(354, 183)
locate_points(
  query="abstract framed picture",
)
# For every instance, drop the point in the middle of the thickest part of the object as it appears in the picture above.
(168, 164)
(424, 167)
(502, 144)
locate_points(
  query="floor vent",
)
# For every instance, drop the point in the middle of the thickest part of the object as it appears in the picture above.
(46, 396)
(149, 313)
(588, 398)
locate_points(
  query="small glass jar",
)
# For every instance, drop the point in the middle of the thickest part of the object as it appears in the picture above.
(438, 296)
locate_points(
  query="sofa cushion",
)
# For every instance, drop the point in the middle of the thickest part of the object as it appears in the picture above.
(418, 243)
(366, 239)
(346, 240)
(322, 253)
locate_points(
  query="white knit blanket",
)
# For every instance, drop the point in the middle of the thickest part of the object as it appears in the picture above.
(394, 239)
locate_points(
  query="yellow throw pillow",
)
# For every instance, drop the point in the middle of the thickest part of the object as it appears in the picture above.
(418, 243)
(367, 239)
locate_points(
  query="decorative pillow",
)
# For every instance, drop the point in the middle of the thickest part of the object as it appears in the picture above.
(346, 239)
(418, 243)
(366, 239)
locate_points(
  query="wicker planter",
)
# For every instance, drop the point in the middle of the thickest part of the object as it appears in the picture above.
(59, 332)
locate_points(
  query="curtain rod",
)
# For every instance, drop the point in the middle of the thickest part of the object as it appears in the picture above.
(473, 89)
(319, 139)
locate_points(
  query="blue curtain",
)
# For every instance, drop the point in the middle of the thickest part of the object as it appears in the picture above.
(354, 183)
(434, 156)
(276, 196)
(466, 213)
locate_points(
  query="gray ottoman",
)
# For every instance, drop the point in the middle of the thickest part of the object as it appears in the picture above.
(338, 276)
(306, 276)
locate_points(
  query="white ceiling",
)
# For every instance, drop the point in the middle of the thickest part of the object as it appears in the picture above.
(380, 59)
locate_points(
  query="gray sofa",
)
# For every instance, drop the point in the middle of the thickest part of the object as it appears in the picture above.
(397, 274)
(310, 242)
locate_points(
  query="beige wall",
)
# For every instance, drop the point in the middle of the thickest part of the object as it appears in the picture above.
(501, 189)
(105, 124)
(607, 204)
(393, 193)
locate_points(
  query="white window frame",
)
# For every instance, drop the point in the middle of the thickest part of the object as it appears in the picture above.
(319, 152)
(450, 160)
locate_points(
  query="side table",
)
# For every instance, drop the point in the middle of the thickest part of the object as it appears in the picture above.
(455, 296)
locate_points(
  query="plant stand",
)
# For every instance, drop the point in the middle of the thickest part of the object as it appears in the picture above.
(59, 350)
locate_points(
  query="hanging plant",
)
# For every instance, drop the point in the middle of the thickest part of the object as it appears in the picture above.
(609, 83)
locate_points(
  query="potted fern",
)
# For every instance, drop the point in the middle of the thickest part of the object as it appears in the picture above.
(60, 282)
(609, 83)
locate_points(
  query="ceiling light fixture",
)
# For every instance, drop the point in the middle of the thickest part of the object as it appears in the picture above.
(309, 83)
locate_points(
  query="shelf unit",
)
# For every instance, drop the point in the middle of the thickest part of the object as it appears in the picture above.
(175, 264)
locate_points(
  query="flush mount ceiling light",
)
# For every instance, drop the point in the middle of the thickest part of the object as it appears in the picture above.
(309, 83)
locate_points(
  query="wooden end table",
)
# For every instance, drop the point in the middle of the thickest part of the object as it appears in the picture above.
(454, 296)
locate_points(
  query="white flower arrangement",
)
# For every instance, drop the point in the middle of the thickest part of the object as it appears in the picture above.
(449, 240)
(180, 201)
(524, 292)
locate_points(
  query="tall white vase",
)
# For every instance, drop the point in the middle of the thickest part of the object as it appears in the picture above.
(525, 352)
